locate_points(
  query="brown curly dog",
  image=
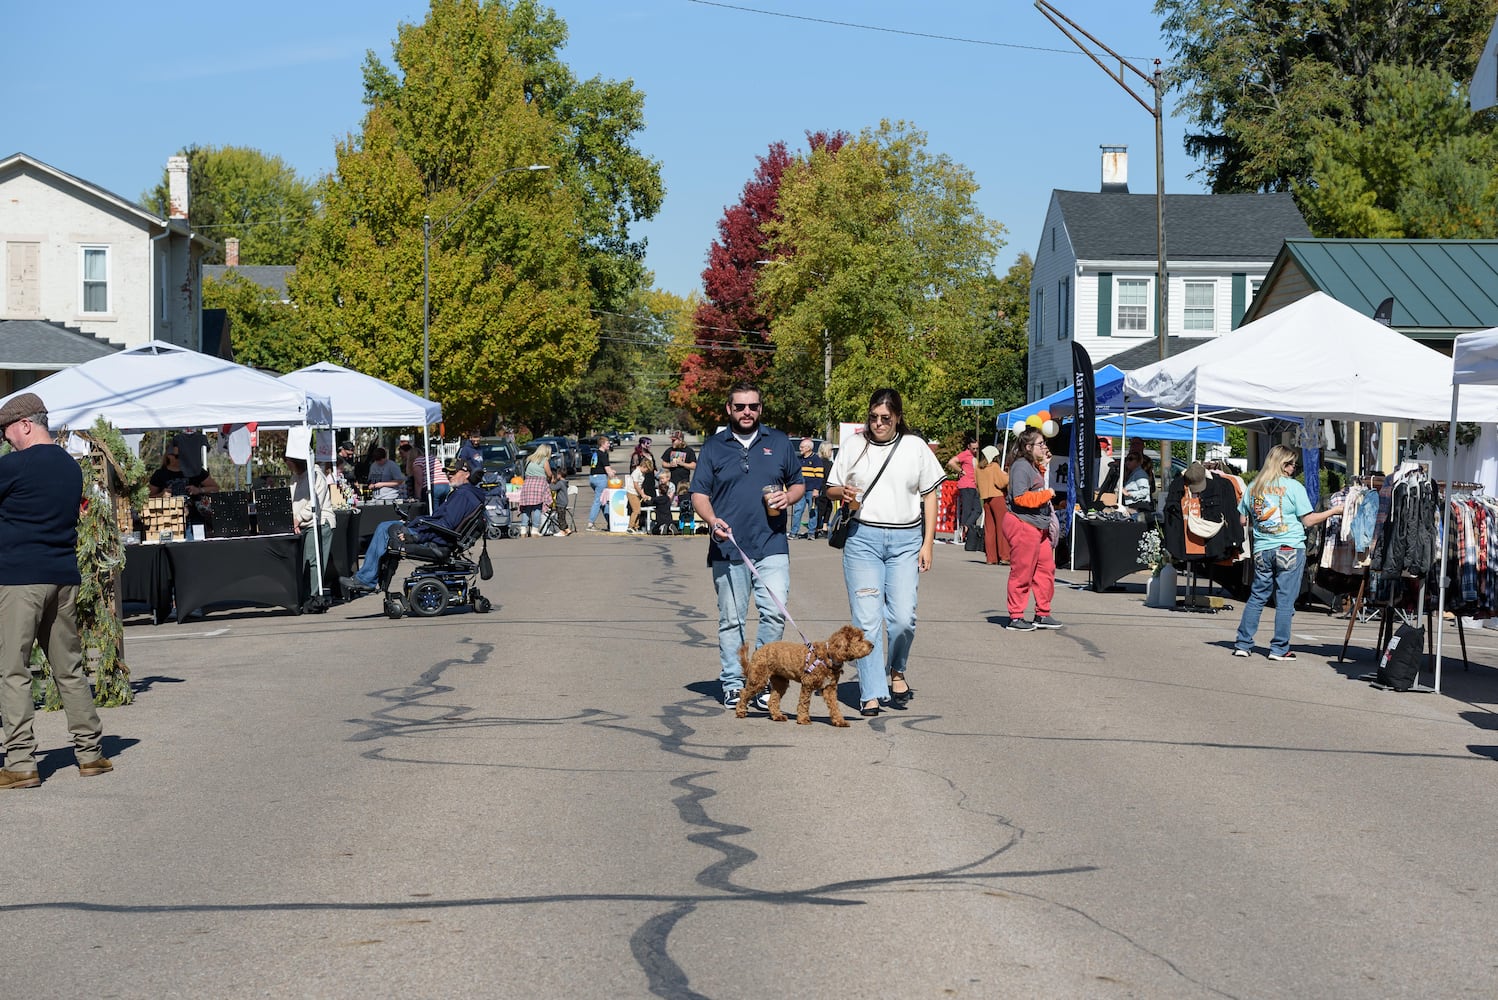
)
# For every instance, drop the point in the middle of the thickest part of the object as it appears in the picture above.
(816, 667)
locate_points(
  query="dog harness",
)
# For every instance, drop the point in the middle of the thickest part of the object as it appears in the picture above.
(812, 663)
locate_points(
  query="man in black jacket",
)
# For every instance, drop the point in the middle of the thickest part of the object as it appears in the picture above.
(464, 499)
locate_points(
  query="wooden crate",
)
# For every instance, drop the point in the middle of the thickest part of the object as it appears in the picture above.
(164, 516)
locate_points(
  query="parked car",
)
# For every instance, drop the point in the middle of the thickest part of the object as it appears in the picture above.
(580, 458)
(499, 459)
(561, 455)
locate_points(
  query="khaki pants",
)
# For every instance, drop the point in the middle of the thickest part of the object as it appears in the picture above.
(48, 614)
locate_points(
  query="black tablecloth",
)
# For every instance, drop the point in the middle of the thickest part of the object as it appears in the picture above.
(264, 569)
(371, 515)
(342, 558)
(147, 579)
(1112, 549)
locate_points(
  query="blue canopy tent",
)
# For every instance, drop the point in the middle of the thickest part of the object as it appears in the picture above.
(1109, 381)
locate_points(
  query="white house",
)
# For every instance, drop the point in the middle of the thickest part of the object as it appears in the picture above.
(1095, 268)
(79, 255)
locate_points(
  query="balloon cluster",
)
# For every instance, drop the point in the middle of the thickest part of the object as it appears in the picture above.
(1041, 420)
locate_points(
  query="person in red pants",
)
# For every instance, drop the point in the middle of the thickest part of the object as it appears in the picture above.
(1030, 527)
(992, 482)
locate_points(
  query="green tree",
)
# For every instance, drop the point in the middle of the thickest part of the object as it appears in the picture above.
(518, 258)
(242, 192)
(885, 257)
(1259, 80)
(1422, 166)
(991, 362)
(265, 330)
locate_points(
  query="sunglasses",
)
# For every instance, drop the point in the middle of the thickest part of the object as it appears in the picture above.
(744, 458)
(881, 418)
(744, 407)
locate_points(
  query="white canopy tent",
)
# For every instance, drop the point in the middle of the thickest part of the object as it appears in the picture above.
(160, 385)
(1317, 357)
(1474, 362)
(364, 401)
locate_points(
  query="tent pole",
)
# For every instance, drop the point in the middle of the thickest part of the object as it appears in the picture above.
(1196, 410)
(1123, 451)
(1456, 391)
(316, 514)
(426, 447)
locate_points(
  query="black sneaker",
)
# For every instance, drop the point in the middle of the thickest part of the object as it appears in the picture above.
(731, 698)
(1020, 625)
(1046, 621)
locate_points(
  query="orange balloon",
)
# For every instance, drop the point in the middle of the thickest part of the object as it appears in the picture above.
(1044, 415)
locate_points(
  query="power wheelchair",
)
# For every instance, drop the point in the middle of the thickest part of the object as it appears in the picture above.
(446, 577)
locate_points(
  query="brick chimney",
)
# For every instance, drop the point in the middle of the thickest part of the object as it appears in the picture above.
(1115, 169)
(231, 251)
(176, 186)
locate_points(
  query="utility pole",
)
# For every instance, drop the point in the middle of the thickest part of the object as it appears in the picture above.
(1155, 106)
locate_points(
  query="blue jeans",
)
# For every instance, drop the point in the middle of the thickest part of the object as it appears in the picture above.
(1277, 571)
(881, 569)
(369, 570)
(599, 484)
(733, 582)
(806, 505)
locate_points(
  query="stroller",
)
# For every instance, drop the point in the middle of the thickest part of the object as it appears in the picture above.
(445, 578)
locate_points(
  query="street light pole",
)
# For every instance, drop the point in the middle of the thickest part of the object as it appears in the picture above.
(447, 221)
(1156, 83)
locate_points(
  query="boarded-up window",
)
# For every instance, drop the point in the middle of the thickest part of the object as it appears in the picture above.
(23, 280)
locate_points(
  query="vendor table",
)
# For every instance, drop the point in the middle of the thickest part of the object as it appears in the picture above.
(342, 558)
(261, 569)
(1112, 549)
(147, 579)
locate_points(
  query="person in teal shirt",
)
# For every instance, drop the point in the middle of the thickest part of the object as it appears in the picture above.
(1278, 510)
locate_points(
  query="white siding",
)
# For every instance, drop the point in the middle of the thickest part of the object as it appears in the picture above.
(61, 218)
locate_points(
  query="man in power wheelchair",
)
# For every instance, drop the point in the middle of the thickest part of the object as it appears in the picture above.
(440, 543)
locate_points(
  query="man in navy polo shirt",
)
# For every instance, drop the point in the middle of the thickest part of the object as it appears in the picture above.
(747, 477)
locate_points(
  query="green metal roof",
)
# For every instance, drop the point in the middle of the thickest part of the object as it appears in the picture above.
(1438, 285)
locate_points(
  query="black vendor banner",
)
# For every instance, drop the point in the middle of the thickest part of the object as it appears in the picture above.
(1084, 450)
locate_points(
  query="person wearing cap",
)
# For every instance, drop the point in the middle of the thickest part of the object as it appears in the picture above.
(346, 463)
(41, 491)
(463, 500)
(992, 481)
(680, 461)
(1277, 507)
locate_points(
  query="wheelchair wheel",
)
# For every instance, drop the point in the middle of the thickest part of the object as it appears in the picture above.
(394, 607)
(481, 604)
(428, 598)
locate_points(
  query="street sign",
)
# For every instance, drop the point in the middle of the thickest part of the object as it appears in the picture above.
(977, 402)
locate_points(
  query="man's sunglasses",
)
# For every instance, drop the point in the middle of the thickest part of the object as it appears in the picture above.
(742, 407)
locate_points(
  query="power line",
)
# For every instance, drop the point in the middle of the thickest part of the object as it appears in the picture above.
(891, 31)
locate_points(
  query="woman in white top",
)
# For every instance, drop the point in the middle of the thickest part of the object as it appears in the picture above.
(639, 490)
(890, 541)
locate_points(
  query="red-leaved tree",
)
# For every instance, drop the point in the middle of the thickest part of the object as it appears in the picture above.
(732, 334)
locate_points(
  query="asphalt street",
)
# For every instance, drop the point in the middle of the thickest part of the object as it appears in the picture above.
(549, 801)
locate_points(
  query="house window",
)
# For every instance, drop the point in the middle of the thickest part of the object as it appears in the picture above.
(95, 297)
(1133, 305)
(1039, 311)
(1063, 308)
(1253, 288)
(1201, 306)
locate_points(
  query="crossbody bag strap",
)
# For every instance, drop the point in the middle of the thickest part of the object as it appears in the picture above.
(881, 469)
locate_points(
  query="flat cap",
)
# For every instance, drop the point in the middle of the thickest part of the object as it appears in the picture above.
(25, 405)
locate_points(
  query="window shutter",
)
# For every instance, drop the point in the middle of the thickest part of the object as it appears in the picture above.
(1240, 298)
(1105, 304)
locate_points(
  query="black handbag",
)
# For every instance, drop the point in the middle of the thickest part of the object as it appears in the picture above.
(842, 518)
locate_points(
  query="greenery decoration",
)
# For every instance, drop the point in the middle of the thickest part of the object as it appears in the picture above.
(1434, 436)
(1152, 550)
(112, 475)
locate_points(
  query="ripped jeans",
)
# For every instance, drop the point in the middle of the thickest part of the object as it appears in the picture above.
(1277, 571)
(881, 569)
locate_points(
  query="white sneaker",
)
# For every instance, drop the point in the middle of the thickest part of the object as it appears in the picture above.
(763, 701)
(731, 698)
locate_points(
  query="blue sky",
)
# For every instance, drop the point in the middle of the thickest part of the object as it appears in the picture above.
(107, 91)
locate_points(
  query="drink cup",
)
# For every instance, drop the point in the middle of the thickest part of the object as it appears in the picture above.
(768, 492)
